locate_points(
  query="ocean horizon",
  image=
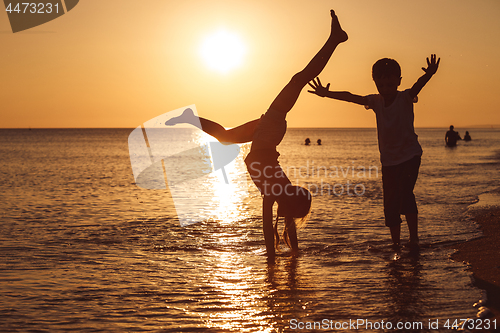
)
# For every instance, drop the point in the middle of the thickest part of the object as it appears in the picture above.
(86, 249)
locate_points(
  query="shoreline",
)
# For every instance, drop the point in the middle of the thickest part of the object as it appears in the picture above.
(483, 257)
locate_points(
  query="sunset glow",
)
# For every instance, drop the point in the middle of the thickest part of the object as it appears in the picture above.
(223, 51)
(100, 66)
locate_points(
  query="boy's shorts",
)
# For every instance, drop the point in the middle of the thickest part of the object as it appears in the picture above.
(398, 182)
(266, 173)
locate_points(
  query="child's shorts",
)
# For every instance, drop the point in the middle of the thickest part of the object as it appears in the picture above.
(398, 182)
(266, 173)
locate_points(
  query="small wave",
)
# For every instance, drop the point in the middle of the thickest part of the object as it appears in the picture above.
(487, 200)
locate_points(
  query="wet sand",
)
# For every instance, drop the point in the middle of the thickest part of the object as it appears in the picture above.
(483, 257)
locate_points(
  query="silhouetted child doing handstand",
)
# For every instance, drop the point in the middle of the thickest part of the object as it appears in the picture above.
(266, 133)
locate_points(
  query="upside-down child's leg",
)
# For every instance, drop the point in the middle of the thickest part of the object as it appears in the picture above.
(239, 134)
(288, 96)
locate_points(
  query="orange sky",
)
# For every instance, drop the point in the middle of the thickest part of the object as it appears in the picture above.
(119, 63)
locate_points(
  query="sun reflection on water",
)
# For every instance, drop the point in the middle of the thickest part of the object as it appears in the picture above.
(241, 306)
(246, 293)
(228, 197)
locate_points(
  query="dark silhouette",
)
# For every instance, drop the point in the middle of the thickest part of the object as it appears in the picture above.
(319, 142)
(266, 133)
(467, 136)
(308, 142)
(400, 151)
(452, 137)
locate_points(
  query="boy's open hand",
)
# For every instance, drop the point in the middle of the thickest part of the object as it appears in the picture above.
(432, 65)
(318, 87)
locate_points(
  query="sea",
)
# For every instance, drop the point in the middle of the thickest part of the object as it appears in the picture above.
(84, 248)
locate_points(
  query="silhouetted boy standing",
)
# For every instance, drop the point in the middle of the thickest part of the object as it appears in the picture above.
(400, 151)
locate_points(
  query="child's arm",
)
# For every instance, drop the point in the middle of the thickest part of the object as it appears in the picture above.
(267, 217)
(340, 95)
(432, 67)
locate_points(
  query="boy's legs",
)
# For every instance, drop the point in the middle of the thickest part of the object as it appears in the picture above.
(412, 221)
(288, 96)
(396, 234)
(392, 203)
(409, 204)
(398, 183)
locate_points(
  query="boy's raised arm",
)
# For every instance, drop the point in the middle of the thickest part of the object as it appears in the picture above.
(432, 67)
(322, 91)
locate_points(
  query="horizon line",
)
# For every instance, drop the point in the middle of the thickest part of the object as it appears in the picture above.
(496, 126)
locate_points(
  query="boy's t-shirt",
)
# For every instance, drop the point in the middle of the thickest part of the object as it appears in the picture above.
(397, 140)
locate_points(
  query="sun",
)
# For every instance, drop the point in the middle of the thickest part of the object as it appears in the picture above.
(223, 51)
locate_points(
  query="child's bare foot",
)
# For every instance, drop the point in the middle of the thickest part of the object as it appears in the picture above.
(396, 247)
(187, 117)
(337, 33)
(413, 244)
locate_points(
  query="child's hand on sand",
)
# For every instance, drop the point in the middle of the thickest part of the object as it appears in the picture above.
(318, 88)
(432, 65)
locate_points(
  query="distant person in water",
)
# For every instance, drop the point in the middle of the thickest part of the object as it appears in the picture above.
(294, 202)
(467, 136)
(319, 142)
(400, 151)
(452, 137)
(308, 142)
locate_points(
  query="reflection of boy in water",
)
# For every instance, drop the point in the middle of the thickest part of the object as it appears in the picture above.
(398, 144)
(452, 137)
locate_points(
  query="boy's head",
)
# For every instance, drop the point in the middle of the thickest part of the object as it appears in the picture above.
(387, 76)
